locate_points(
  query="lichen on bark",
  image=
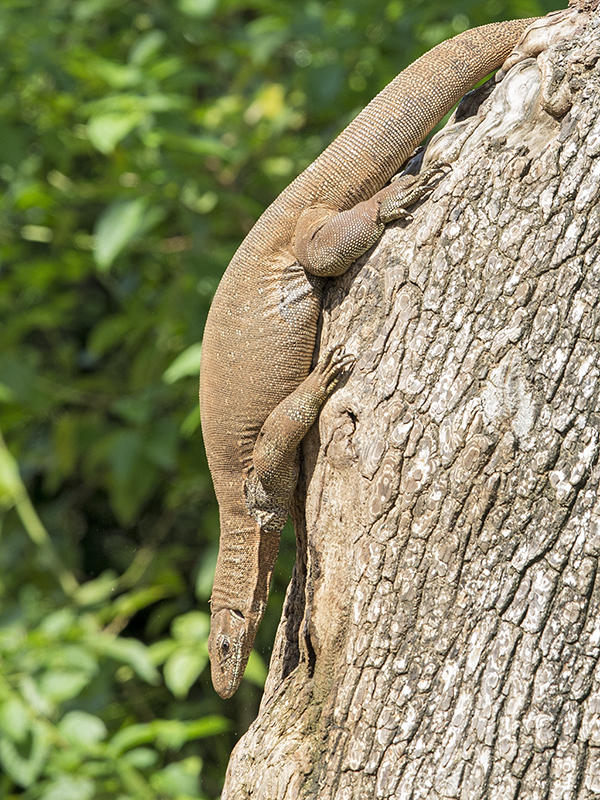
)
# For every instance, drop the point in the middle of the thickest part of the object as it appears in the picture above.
(441, 635)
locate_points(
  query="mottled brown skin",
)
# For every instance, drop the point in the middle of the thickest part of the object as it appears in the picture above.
(258, 397)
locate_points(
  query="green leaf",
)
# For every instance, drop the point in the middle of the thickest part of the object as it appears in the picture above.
(136, 409)
(141, 757)
(167, 733)
(206, 570)
(105, 131)
(58, 624)
(130, 603)
(34, 697)
(191, 627)
(187, 363)
(191, 422)
(64, 685)
(66, 447)
(117, 226)
(98, 590)
(6, 393)
(10, 481)
(198, 8)
(68, 787)
(161, 650)
(183, 668)
(127, 651)
(117, 76)
(82, 728)
(178, 779)
(14, 720)
(25, 764)
(256, 671)
(147, 46)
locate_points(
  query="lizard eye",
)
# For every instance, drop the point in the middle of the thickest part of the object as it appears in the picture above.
(224, 647)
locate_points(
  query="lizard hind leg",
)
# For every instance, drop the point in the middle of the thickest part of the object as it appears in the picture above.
(273, 476)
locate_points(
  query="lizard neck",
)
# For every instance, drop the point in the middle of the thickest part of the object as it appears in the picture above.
(239, 598)
(245, 563)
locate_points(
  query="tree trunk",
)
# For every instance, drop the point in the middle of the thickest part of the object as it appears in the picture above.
(441, 634)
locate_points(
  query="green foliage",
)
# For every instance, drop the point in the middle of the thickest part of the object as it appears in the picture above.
(139, 143)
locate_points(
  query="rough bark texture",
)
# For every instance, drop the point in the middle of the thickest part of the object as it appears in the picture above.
(441, 636)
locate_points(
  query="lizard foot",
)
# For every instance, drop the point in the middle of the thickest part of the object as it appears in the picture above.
(408, 190)
(332, 368)
(552, 28)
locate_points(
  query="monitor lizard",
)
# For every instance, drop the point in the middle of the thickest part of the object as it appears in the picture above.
(258, 395)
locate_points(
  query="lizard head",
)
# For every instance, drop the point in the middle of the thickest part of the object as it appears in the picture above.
(229, 644)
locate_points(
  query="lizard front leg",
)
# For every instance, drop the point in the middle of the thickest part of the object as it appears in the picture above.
(271, 481)
(327, 242)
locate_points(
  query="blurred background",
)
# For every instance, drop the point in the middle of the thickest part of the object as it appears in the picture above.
(139, 141)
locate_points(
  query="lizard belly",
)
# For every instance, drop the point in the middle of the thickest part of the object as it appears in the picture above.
(258, 347)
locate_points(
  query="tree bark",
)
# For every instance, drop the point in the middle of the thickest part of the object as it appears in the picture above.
(441, 633)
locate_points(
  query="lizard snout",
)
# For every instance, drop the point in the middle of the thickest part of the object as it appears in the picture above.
(228, 647)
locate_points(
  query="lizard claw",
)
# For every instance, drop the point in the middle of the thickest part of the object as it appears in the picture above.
(335, 364)
(433, 175)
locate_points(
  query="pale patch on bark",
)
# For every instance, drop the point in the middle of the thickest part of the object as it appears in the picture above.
(441, 636)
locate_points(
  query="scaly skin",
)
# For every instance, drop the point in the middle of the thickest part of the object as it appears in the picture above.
(257, 395)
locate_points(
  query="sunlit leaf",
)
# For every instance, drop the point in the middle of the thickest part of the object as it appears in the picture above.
(191, 627)
(14, 719)
(127, 651)
(141, 757)
(191, 422)
(24, 764)
(6, 393)
(197, 8)
(58, 623)
(83, 728)
(107, 130)
(118, 224)
(183, 668)
(167, 733)
(180, 779)
(9, 475)
(187, 363)
(256, 670)
(58, 686)
(160, 651)
(128, 604)
(147, 46)
(206, 570)
(68, 787)
(97, 590)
